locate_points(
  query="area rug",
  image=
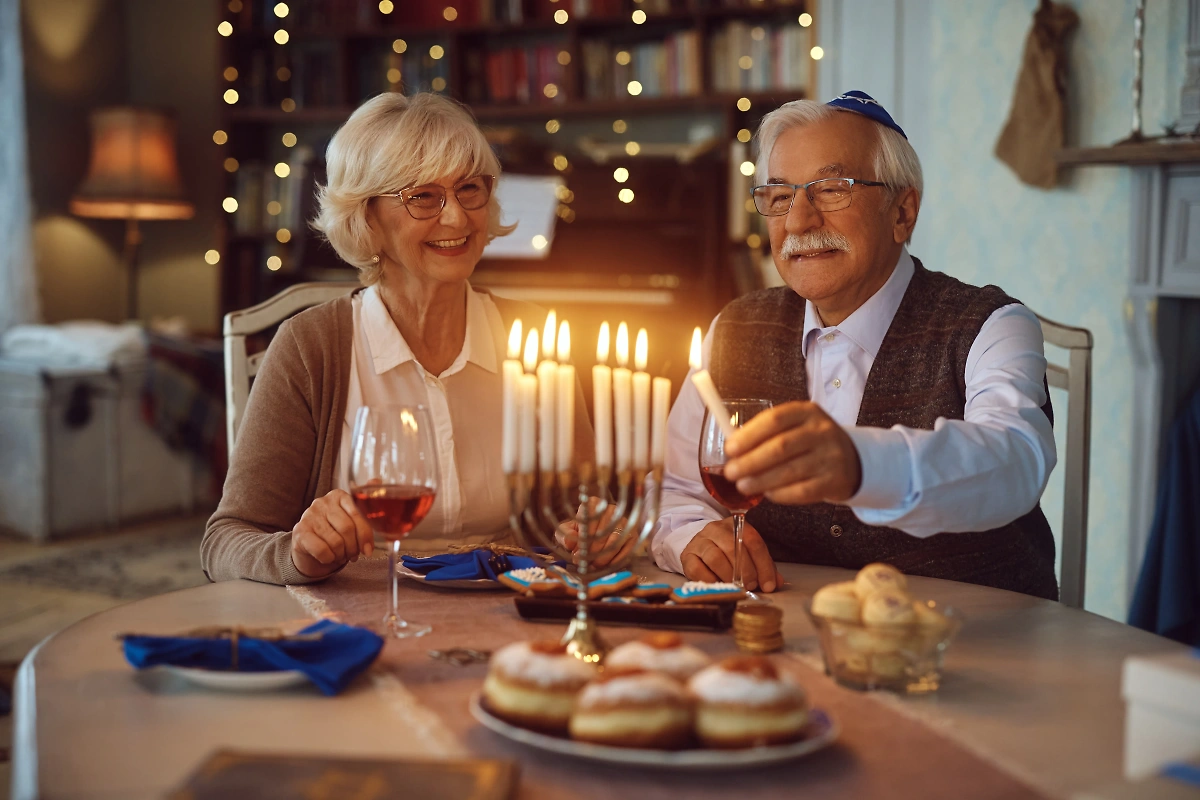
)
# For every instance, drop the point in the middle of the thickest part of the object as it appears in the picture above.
(155, 558)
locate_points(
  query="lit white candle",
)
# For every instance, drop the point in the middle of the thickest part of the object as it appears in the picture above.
(708, 391)
(622, 379)
(661, 408)
(510, 436)
(566, 399)
(527, 390)
(641, 403)
(602, 400)
(547, 375)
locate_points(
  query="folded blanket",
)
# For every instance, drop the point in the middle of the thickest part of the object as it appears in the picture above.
(475, 565)
(330, 662)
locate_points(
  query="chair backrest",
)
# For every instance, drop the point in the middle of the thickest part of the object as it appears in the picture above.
(240, 368)
(1076, 379)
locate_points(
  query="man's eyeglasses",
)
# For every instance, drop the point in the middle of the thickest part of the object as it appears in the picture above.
(426, 202)
(827, 194)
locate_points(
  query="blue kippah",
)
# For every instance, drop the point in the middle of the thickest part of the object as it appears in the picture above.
(863, 103)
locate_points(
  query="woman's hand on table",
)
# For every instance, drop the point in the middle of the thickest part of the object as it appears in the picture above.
(330, 534)
(568, 536)
(709, 557)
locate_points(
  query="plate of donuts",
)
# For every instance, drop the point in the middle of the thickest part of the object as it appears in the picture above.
(657, 702)
(822, 730)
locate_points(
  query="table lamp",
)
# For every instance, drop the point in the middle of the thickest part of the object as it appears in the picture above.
(133, 175)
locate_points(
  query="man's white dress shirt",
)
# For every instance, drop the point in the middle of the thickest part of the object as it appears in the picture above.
(973, 474)
(464, 404)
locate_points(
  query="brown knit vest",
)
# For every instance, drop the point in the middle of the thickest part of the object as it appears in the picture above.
(917, 377)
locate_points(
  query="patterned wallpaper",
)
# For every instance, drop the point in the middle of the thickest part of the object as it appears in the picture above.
(1063, 252)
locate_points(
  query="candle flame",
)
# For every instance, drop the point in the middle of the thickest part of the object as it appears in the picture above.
(602, 344)
(622, 345)
(564, 342)
(548, 334)
(514, 340)
(531, 351)
(641, 351)
(694, 355)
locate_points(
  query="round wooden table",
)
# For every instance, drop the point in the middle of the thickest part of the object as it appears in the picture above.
(1033, 685)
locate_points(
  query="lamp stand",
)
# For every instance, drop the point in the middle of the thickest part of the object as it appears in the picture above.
(133, 241)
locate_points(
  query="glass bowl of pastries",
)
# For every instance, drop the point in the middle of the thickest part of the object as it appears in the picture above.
(654, 693)
(875, 635)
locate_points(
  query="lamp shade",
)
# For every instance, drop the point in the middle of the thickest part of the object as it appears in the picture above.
(133, 172)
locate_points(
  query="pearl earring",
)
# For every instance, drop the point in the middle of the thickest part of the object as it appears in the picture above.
(375, 259)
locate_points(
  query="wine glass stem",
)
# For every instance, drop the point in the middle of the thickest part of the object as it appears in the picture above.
(393, 554)
(739, 520)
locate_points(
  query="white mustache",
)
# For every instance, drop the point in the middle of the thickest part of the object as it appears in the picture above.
(795, 244)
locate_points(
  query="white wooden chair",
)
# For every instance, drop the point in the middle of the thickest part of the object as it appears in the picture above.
(1076, 379)
(240, 367)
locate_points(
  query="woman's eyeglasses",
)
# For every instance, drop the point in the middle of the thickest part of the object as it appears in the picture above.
(426, 202)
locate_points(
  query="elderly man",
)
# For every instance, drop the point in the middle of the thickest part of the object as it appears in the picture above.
(911, 421)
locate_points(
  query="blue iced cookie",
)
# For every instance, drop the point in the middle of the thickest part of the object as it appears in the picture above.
(700, 592)
(611, 584)
(533, 581)
(656, 591)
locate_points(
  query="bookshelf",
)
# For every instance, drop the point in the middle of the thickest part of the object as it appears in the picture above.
(545, 78)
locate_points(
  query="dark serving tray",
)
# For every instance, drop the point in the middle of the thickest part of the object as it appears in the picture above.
(700, 616)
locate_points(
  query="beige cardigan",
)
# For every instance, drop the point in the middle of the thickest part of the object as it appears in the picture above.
(289, 441)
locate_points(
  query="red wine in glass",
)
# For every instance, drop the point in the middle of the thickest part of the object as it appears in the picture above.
(393, 511)
(725, 491)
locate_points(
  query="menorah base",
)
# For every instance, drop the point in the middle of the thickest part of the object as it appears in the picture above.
(583, 640)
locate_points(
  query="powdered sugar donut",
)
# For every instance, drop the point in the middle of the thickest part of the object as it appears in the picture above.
(744, 701)
(534, 684)
(633, 708)
(660, 652)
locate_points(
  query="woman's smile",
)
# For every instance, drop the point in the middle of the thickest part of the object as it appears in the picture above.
(449, 247)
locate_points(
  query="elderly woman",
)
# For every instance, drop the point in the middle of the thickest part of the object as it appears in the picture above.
(410, 202)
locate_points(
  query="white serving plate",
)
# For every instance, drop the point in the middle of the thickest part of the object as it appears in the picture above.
(474, 583)
(823, 730)
(228, 681)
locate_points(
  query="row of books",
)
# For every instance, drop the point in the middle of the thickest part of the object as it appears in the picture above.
(257, 188)
(669, 68)
(358, 14)
(308, 76)
(778, 57)
(381, 69)
(515, 75)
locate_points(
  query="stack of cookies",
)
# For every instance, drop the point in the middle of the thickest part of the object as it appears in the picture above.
(757, 628)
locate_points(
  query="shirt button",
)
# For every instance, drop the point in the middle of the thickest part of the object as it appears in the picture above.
(828, 337)
(836, 530)
(837, 383)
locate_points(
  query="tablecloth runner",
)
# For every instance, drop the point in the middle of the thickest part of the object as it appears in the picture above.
(880, 753)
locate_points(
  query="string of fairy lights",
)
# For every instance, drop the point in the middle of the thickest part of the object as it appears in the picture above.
(394, 77)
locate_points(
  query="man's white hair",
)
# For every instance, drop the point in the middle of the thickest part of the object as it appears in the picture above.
(896, 162)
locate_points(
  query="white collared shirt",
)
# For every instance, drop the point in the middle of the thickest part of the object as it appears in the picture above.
(973, 474)
(472, 500)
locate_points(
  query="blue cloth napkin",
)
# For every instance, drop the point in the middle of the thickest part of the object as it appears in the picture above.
(466, 566)
(330, 662)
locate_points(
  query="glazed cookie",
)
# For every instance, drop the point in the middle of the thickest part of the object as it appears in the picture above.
(533, 582)
(652, 591)
(700, 592)
(611, 584)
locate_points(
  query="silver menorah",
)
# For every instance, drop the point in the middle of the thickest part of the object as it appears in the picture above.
(540, 503)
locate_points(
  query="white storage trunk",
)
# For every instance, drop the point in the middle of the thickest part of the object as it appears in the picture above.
(76, 454)
(1162, 711)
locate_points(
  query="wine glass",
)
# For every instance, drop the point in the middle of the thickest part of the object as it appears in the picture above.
(394, 480)
(712, 472)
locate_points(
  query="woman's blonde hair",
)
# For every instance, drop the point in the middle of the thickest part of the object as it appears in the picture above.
(389, 143)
